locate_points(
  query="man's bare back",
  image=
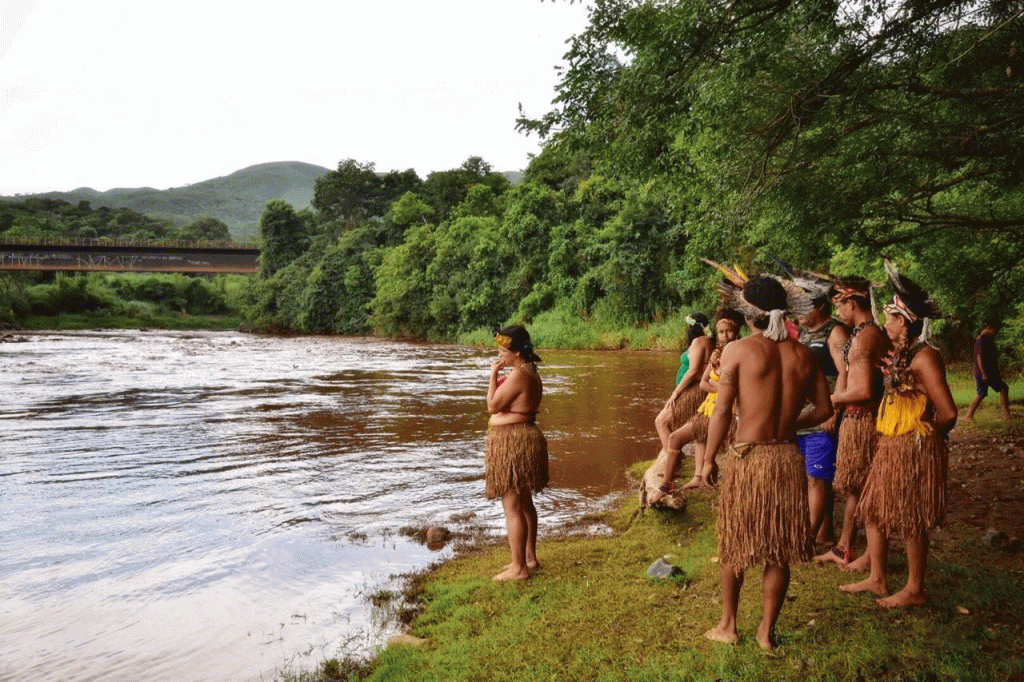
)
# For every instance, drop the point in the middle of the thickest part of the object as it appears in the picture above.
(771, 382)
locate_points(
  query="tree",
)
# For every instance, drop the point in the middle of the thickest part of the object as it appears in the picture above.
(285, 236)
(350, 193)
(207, 229)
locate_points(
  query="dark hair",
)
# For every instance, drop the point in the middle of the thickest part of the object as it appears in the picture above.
(520, 341)
(994, 323)
(697, 329)
(767, 294)
(914, 328)
(863, 300)
(823, 302)
(730, 314)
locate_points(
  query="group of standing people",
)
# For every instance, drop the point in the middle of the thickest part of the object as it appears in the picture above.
(845, 406)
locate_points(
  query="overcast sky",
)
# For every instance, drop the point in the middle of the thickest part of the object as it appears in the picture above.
(135, 93)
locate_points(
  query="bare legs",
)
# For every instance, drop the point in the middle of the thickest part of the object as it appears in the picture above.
(663, 425)
(821, 500)
(846, 539)
(676, 441)
(1004, 404)
(878, 553)
(521, 520)
(877, 582)
(776, 583)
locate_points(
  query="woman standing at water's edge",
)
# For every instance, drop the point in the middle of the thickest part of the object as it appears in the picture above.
(517, 452)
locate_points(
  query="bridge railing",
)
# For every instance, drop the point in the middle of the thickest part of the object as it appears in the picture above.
(126, 243)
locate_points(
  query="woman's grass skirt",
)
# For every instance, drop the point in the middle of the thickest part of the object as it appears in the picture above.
(516, 461)
(685, 406)
(906, 489)
(763, 516)
(855, 449)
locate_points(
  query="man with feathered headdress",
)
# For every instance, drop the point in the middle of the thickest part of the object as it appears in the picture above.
(905, 491)
(763, 519)
(857, 395)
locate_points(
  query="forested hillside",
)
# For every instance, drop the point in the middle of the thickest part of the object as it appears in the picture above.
(824, 133)
(237, 200)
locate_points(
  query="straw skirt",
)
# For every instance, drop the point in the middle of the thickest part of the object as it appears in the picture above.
(855, 450)
(516, 460)
(906, 489)
(763, 516)
(685, 406)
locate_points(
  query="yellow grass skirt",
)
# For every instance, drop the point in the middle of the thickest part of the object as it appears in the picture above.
(906, 489)
(517, 460)
(855, 449)
(685, 406)
(762, 510)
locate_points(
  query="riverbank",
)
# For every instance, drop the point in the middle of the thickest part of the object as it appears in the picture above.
(592, 613)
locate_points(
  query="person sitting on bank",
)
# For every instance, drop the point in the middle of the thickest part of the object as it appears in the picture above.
(728, 323)
(986, 371)
(687, 396)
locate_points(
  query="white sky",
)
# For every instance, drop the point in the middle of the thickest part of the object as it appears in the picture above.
(136, 93)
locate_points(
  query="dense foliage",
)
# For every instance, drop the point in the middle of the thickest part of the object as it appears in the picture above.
(821, 132)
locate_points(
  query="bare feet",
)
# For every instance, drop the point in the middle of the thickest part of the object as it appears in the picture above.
(725, 637)
(834, 555)
(767, 640)
(533, 565)
(513, 573)
(902, 599)
(693, 483)
(867, 585)
(858, 565)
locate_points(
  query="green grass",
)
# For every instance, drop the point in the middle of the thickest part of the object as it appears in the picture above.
(593, 614)
(69, 322)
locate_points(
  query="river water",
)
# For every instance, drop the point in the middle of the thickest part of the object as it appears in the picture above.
(219, 506)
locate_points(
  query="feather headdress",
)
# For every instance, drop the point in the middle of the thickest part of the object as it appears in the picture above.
(911, 301)
(816, 284)
(730, 287)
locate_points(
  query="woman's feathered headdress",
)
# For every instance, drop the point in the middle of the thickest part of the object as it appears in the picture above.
(911, 301)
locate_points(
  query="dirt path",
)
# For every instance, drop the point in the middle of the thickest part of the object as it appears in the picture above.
(986, 491)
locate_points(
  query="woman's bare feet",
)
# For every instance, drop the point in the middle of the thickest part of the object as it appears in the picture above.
(693, 483)
(725, 637)
(513, 573)
(833, 555)
(858, 565)
(869, 584)
(902, 599)
(533, 565)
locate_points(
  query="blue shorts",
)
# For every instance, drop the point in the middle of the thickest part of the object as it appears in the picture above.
(997, 385)
(819, 451)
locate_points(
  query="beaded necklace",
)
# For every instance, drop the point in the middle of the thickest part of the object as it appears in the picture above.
(849, 341)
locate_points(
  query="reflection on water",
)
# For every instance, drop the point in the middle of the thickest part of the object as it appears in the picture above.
(199, 506)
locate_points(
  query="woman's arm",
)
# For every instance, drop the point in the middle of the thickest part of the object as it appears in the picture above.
(931, 373)
(707, 384)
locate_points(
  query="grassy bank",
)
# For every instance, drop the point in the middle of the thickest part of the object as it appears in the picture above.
(592, 613)
(70, 322)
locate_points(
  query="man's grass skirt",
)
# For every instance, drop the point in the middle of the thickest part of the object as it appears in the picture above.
(855, 450)
(763, 516)
(516, 461)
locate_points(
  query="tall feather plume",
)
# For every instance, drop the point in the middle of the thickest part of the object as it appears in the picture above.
(916, 298)
(816, 284)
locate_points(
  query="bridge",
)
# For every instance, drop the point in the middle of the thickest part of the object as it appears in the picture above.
(110, 255)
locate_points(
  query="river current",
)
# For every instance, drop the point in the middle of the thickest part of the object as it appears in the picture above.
(219, 506)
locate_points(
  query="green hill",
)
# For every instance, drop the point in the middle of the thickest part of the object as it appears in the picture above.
(237, 199)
